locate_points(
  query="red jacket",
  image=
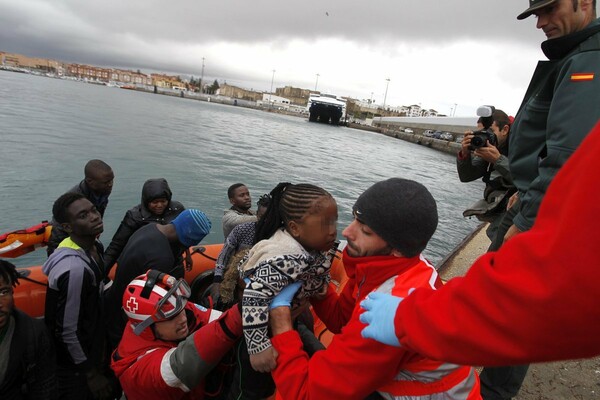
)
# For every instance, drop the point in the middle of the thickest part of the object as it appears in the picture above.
(149, 368)
(353, 367)
(534, 300)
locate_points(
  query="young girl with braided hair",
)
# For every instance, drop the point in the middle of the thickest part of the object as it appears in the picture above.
(292, 240)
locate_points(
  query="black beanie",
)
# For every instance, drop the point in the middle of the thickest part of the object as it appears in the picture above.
(402, 212)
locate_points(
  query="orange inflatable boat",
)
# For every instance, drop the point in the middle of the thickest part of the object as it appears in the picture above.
(16, 243)
(30, 294)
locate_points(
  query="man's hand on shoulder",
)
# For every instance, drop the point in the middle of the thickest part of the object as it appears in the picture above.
(380, 311)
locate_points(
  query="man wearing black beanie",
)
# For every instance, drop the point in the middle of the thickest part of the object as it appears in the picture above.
(393, 221)
(402, 212)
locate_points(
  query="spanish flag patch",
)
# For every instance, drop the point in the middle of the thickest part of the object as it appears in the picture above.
(584, 76)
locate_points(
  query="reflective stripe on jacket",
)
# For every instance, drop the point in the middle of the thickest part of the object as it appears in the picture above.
(423, 377)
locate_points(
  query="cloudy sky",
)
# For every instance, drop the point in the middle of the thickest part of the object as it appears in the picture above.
(436, 53)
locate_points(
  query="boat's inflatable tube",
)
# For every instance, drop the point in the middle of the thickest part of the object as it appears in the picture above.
(16, 243)
(30, 294)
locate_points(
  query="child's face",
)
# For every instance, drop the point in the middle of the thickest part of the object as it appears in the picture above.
(318, 229)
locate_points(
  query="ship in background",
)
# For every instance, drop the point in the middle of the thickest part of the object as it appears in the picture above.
(326, 108)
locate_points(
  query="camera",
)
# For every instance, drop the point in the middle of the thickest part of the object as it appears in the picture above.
(479, 139)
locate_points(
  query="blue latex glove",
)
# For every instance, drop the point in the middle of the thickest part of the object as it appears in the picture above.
(379, 317)
(285, 297)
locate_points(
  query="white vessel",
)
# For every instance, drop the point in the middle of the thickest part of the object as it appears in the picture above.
(326, 108)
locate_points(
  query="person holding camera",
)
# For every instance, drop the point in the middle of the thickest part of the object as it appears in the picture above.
(484, 154)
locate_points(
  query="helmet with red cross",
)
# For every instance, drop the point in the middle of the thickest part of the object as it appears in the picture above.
(154, 297)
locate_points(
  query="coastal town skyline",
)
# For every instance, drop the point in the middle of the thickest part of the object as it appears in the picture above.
(111, 75)
(451, 56)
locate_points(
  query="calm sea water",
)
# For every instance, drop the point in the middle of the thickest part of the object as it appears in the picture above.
(50, 128)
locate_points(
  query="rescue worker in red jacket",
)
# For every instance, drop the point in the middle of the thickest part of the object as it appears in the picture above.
(169, 345)
(545, 279)
(393, 221)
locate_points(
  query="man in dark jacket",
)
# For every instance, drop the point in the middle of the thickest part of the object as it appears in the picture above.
(490, 163)
(73, 309)
(156, 207)
(27, 361)
(153, 246)
(560, 107)
(96, 187)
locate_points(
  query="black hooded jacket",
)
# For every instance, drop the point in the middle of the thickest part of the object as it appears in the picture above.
(140, 215)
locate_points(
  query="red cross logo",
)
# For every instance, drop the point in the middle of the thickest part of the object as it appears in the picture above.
(132, 305)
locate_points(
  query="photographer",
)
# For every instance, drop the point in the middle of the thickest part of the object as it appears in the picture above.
(484, 155)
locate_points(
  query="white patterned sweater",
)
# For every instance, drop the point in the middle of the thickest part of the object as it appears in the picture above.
(271, 265)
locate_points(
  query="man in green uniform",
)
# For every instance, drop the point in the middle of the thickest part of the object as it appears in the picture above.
(561, 105)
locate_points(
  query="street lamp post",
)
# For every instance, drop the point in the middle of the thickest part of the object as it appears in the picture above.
(271, 91)
(384, 99)
(317, 82)
(454, 111)
(202, 77)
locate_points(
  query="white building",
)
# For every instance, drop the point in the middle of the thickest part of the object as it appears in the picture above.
(272, 100)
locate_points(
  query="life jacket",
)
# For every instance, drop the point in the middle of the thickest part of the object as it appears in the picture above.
(426, 378)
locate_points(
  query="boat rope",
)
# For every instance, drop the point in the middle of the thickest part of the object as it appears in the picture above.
(201, 250)
(33, 281)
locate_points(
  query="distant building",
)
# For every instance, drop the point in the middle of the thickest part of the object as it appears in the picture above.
(272, 100)
(296, 96)
(238, 93)
(88, 72)
(32, 63)
(166, 81)
(416, 111)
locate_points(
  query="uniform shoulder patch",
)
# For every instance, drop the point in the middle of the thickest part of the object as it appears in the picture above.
(582, 76)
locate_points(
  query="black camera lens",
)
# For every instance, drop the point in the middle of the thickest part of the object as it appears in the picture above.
(477, 142)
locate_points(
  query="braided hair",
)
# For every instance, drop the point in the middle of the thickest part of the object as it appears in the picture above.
(264, 200)
(289, 202)
(8, 273)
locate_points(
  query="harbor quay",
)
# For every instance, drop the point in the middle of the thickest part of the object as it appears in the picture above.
(397, 129)
(389, 126)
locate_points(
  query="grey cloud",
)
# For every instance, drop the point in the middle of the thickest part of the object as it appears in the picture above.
(106, 32)
(264, 20)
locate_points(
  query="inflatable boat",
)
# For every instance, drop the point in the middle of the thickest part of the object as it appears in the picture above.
(16, 243)
(30, 294)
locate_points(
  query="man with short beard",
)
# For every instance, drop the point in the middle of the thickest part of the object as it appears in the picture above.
(393, 222)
